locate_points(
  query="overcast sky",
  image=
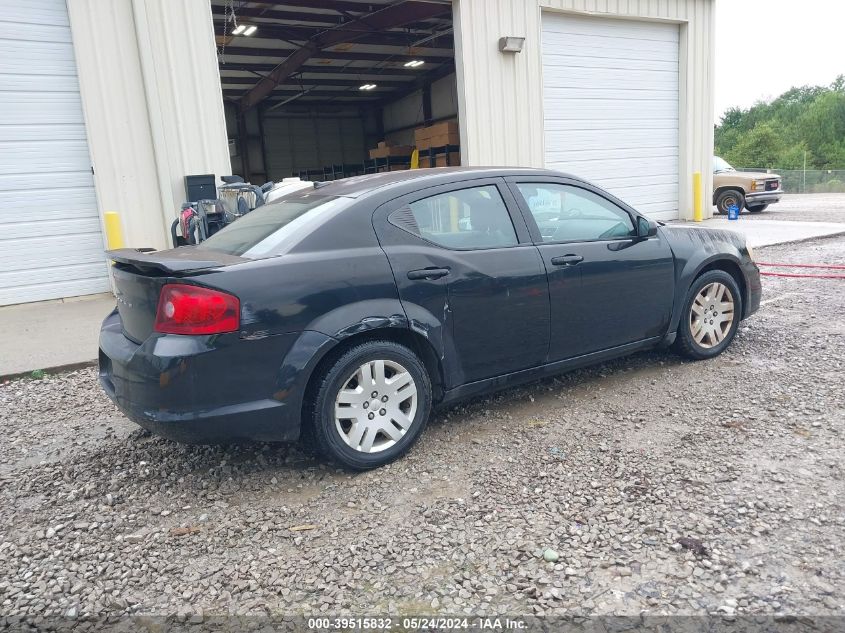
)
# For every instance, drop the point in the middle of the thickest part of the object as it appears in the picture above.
(764, 47)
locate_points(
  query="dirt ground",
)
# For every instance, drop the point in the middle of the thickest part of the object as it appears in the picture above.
(648, 484)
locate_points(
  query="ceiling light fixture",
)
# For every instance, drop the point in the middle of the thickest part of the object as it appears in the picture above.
(368, 87)
(414, 63)
(250, 30)
(239, 29)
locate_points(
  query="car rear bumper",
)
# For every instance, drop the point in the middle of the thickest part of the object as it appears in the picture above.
(203, 389)
(764, 197)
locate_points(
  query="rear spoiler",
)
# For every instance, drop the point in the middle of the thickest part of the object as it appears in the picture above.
(177, 260)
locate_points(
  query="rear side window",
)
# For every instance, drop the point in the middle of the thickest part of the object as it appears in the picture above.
(472, 218)
(564, 213)
(270, 229)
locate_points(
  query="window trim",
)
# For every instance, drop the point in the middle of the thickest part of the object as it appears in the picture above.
(534, 228)
(521, 230)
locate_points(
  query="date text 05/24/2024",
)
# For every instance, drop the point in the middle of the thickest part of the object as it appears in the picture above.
(416, 623)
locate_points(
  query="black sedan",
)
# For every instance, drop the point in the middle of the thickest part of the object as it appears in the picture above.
(344, 313)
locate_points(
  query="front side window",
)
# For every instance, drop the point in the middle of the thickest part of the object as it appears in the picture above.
(466, 219)
(570, 214)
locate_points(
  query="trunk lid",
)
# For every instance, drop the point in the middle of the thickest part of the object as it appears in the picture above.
(140, 275)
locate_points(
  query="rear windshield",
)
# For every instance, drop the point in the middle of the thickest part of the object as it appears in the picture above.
(275, 227)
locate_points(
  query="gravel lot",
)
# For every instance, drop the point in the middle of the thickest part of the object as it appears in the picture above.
(811, 207)
(661, 485)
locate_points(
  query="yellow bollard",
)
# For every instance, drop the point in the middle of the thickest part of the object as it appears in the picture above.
(114, 231)
(698, 197)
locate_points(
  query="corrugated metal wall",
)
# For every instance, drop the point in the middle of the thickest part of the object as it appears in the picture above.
(507, 88)
(295, 143)
(153, 107)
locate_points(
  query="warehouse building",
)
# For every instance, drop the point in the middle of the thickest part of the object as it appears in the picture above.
(107, 105)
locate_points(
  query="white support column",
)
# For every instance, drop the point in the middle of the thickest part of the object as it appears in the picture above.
(500, 95)
(154, 113)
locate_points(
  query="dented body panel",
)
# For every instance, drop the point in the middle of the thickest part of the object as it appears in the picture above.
(695, 248)
(491, 322)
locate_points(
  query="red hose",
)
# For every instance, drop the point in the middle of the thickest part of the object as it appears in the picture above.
(803, 276)
(801, 266)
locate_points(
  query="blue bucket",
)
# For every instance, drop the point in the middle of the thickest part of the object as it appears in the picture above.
(733, 212)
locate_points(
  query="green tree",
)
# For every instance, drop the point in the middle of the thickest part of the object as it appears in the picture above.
(777, 134)
(761, 147)
(823, 128)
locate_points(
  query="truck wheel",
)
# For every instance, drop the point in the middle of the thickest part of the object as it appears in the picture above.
(370, 405)
(728, 198)
(711, 316)
(758, 208)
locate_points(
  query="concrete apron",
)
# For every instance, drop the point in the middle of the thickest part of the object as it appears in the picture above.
(770, 232)
(51, 335)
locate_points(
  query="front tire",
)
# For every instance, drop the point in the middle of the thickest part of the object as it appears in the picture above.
(370, 405)
(728, 198)
(711, 316)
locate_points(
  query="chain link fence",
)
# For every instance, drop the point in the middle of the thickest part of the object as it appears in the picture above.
(808, 181)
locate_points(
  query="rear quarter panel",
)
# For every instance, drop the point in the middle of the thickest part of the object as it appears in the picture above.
(335, 283)
(331, 281)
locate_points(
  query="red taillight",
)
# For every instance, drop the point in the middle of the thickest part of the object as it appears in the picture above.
(184, 309)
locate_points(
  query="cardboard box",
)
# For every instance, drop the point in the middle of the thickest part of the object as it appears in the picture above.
(440, 161)
(453, 161)
(437, 135)
(388, 150)
(452, 138)
(446, 127)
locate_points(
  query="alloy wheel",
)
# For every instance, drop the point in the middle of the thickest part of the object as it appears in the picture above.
(376, 406)
(711, 315)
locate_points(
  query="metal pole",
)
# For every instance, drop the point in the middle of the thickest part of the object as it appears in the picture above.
(698, 197)
(804, 185)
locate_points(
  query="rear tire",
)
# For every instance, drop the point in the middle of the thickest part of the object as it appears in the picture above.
(728, 198)
(758, 209)
(370, 405)
(711, 316)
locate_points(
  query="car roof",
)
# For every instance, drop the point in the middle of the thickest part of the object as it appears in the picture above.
(358, 186)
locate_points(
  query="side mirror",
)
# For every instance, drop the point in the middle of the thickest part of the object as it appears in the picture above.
(646, 228)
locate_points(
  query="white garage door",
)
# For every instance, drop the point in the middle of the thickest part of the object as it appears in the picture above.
(51, 244)
(611, 107)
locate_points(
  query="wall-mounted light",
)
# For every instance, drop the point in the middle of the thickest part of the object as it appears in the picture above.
(414, 63)
(511, 44)
(368, 87)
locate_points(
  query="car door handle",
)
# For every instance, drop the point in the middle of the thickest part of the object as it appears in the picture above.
(428, 273)
(567, 260)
